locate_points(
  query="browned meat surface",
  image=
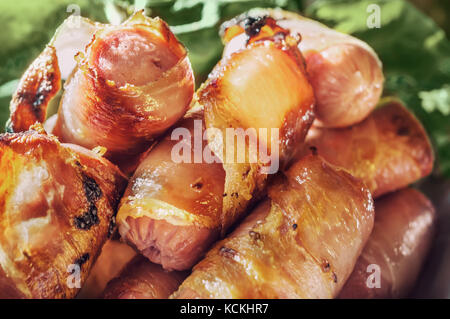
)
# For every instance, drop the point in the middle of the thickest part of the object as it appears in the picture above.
(133, 82)
(143, 280)
(39, 84)
(129, 84)
(111, 261)
(398, 245)
(57, 207)
(388, 151)
(301, 243)
(345, 72)
(168, 208)
(172, 212)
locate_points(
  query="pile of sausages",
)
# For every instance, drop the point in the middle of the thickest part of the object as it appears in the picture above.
(93, 202)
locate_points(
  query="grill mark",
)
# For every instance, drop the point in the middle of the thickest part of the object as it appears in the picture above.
(88, 219)
(91, 189)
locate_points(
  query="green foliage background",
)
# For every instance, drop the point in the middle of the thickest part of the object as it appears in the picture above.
(415, 51)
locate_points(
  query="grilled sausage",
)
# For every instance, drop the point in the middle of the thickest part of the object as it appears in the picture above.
(141, 279)
(301, 243)
(392, 258)
(57, 207)
(388, 151)
(173, 212)
(345, 72)
(130, 84)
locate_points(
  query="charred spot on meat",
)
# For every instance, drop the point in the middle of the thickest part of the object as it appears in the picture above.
(88, 219)
(83, 259)
(253, 25)
(91, 189)
(197, 185)
(403, 131)
(313, 150)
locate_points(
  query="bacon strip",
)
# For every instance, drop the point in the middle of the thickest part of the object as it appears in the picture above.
(133, 82)
(38, 85)
(392, 258)
(42, 80)
(57, 204)
(129, 84)
(346, 73)
(173, 212)
(143, 280)
(388, 151)
(302, 243)
(169, 209)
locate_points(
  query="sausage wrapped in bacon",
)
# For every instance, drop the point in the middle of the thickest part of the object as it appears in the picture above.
(172, 212)
(302, 243)
(130, 84)
(57, 206)
(345, 72)
(141, 279)
(391, 260)
(388, 151)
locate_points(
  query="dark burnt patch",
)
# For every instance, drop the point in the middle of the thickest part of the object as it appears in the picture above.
(91, 189)
(313, 150)
(294, 226)
(253, 25)
(82, 260)
(403, 131)
(326, 266)
(197, 185)
(88, 219)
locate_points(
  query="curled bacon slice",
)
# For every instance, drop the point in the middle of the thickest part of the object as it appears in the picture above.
(346, 73)
(39, 84)
(129, 84)
(57, 203)
(172, 212)
(141, 279)
(302, 243)
(396, 249)
(42, 80)
(388, 151)
(132, 83)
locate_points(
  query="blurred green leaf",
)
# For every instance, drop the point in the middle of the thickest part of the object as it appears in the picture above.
(436, 100)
